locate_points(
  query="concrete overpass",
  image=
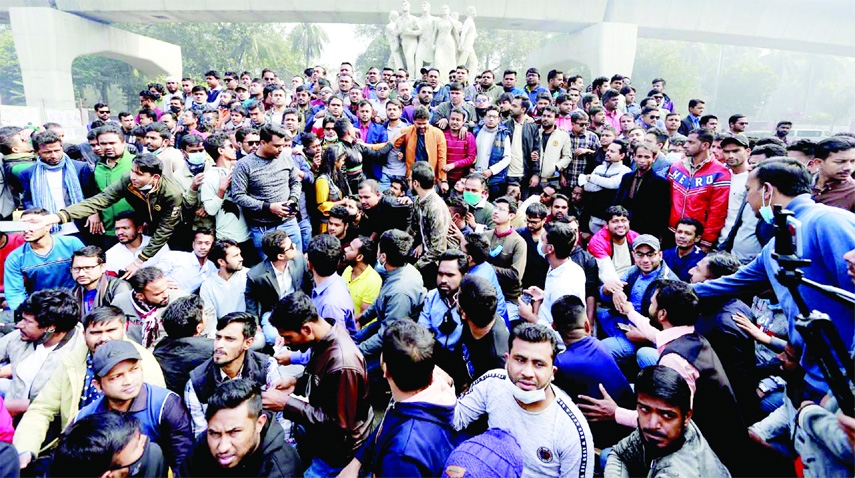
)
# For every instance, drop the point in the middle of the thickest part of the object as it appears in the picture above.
(49, 34)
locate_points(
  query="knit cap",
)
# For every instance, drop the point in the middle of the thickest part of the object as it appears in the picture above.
(493, 454)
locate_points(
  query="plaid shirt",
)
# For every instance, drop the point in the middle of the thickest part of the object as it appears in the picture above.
(586, 140)
(90, 392)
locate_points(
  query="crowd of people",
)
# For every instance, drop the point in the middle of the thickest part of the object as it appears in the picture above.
(392, 276)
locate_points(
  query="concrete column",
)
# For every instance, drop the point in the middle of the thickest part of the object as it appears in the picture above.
(47, 42)
(606, 48)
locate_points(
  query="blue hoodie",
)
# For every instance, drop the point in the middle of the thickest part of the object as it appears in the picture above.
(415, 437)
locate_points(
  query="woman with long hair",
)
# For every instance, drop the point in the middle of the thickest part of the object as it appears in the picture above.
(331, 187)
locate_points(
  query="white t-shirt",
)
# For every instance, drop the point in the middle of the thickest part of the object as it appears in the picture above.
(57, 193)
(734, 203)
(29, 367)
(621, 258)
(119, 256)
(566, 279)
(555, 442)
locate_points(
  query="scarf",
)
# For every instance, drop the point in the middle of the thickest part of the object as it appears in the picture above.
(149, 321)
(41, 190)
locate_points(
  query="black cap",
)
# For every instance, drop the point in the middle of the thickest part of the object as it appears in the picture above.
(112, 353)
(737, 138)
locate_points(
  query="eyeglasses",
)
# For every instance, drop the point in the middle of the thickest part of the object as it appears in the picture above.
(104, 112)
(252, 143)
(331, 128)
(581, 123)
(648, 255)
(382, 89)
(654, 117)
(84, 268)
(289, 248)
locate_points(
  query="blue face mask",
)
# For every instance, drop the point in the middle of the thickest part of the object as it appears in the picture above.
(765, 211)
(196, 158)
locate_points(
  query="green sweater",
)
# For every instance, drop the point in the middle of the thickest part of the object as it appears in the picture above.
(104, 177)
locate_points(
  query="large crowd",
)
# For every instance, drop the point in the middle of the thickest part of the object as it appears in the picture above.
(378, 275)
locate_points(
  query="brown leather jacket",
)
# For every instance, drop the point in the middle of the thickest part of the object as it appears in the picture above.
(338, 415)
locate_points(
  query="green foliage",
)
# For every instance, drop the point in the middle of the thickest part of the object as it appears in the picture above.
(503, 49)
(309, 39)
(11, 89)
(376, 53)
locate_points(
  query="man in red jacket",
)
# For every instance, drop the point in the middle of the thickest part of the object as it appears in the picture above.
(461, 152)
(700, 186)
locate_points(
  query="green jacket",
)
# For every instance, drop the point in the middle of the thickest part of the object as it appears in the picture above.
(104, 177)
(161, 208)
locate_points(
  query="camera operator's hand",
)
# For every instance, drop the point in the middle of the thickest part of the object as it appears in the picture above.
(847, 423)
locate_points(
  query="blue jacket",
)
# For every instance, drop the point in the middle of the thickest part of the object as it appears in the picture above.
(376, 135)
(26, 272)
(498, 151)
(433, 314)
(414, 439)
(827, 234)
(485, 270)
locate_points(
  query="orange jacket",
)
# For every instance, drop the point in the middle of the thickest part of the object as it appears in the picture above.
(434, 143)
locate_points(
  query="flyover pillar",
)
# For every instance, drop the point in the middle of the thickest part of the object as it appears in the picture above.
(47, 42)
(605, 48)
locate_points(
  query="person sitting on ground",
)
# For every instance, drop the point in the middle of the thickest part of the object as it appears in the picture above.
(95, 288)
(186, 345)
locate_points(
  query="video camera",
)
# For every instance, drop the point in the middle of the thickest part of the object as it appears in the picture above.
(822, 340)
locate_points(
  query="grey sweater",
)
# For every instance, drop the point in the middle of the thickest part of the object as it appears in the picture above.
(258, 182)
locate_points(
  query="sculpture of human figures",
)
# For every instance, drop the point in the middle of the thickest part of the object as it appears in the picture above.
(455, 18)
(466, 51)
(427, 40)
(410, 31)
(393, 32)
(447, 36)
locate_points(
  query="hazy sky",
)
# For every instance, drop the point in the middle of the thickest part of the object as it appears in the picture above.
(343, 45)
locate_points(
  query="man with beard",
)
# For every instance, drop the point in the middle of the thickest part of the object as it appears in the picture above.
(490, 88)
(224, 292)
(94, 287)
(115, 161)
(535, 265)
(241, 439)
(47, 330)
(686, 254)
(70, 387)
(186, 271)
(440, 313)
(667, 442)
(157, 137)
(337, 416)
(834, 185)
(612, 244)
(160, 412)
(362, 279)
(554, 436)
(644, 194)
(232, 359)
(424, 96)
(129, 229)
(739, 234)
(149, 295)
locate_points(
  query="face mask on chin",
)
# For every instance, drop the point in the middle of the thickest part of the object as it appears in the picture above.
(526, 397)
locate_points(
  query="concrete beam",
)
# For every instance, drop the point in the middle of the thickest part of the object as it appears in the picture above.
(48, 41)
(605, 48)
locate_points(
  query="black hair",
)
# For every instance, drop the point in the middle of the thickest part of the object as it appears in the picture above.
(770, 140)
(789, 176)
(212, 73)
(622, 145)
(577, 116)
(690, 221)
(271, 243)
(130, 216)
(243, 132)
(213, 144)
(144, 277)
(568, 314)
(721, 263)
(770, 151)
(160, 128)
(679, 300)
(111, 129)
(704, 136)
(292, 311)
(342, 126)
(307, 139)
(197, 89)
(368, 249)
(833, 144)
(537, 210)
(705, 119)
(249, 321)
(534, 334)
(735, 118)
(190, 140)
(103, 315)
(511, 202)
(87, 447)
(148, 113)
(44, 138)
(408, 355)
(609, 94)
(457, 256)
(477, 247)
(182, 317)
(396, 244)
(219, 248)
(598, 82)
(804, 146)
(400, 181)
(422, 173)
(661, 136)
(666, 384)
(324, 254)
(421, 113)
(478, 299)
(268, 131)
(232, 394)
(52, 307)
(561, 237)
(90, 251)
(149, 163)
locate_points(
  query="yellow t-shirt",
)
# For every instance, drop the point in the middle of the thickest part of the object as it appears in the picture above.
(365, 288)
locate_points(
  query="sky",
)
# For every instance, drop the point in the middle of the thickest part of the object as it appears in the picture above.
(343, 45)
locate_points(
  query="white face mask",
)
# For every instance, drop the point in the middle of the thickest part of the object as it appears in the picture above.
(196, 158)
(526, 397)
(146, 187)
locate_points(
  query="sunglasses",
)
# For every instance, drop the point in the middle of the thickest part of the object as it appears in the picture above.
(252, 143)
(382, 89)
(104, 112)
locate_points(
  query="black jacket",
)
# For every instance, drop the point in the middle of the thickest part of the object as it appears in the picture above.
(273, 458)
(686, 126)
(651, 205)
(262, 288)
(179, 357)
(531, 143)
(586, 261)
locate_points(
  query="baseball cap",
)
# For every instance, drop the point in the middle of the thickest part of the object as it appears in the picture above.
(241, 86)
(112, 353)
(646, 240)
(532, 70)
(737, 138)
(492, 454)
(424, 71)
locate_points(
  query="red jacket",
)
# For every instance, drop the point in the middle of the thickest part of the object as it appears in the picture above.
(600, 245)
(461, 153)
(701, 195)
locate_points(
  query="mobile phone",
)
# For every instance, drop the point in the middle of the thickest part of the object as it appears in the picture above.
(623, 327)
(526, 297)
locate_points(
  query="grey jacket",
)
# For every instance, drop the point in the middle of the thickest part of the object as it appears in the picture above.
(694, 458)
(401, 297)
(15, 350)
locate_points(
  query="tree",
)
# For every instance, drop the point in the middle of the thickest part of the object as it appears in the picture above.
(309, 39)
(11, 89)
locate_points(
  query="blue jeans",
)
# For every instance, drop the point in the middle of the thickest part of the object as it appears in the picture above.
(305, 231)
(290, 227)
(320, 469)
(623, 350)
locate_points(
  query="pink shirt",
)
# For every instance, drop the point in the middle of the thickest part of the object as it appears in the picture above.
(614, 119)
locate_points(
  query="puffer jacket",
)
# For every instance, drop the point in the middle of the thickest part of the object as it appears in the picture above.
(702, 195)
